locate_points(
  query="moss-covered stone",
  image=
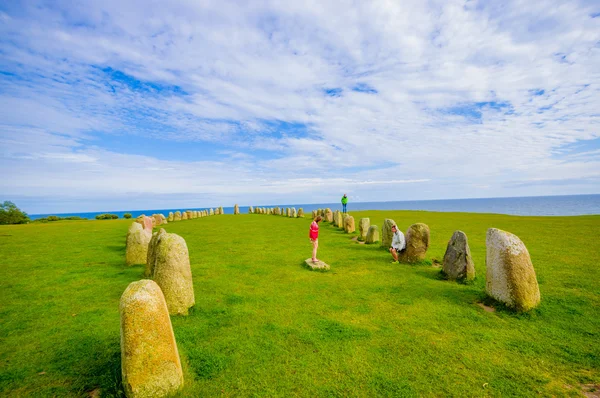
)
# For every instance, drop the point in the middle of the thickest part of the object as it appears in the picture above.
(170, 265)
(150, 363)
(458, 263)
(372, 235)
(149, 270)
(317, 266)
(417, 243)
(363, 228)
(349, 225)
(510, 276)
(386, 233)
(136, 247)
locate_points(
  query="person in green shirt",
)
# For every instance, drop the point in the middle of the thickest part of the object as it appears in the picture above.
(344, 203)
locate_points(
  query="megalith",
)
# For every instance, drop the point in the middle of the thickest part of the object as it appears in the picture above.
(372, 235)
(417, 243)
(211, 212)
(288, 212)
(301, 212)
(293, 212)
(510, 277)
(386, 233)
(184, 215)
(158, 220)
(177, 216)
(146, 222)
(458, 263)
(314, 214)
(363, 228)
(250, 210)
(170, 265)
(137, 242)
(328, 215)
(338, 220)
(236, 209)
(190, 214)
(349, 224)
(150, 364)
(149, 270)
(221, 210)
(171, 217)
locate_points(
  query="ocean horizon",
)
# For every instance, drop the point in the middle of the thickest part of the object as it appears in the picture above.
(564, 205)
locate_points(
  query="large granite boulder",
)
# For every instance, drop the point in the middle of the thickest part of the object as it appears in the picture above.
(171, 217)
(158, 219)
(301, 212)
(386, 233)
(349, 226)
(150, 364)
(338, 221)
(170, 267)
(146, 222)
(363, 228)
(510, 277)
(417, 243)
(372, 235)
(177, 216)
(458, 263)
(137, 242)
(149, 270)
(328, 215)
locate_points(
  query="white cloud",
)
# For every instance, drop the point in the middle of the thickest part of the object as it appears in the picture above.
(243, 64)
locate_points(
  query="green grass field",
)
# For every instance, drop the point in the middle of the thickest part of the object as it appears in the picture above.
(264, 325)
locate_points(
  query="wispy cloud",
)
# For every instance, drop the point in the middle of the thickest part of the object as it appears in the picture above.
(297, 101)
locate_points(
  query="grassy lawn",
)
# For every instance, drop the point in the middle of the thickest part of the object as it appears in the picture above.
(265, 326)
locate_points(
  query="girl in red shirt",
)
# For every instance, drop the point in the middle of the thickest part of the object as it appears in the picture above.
(313, 234)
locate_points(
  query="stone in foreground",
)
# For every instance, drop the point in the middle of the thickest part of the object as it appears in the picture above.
(417, 243)
(318, 266)
(137, 242)
(363, 228)
(150, 363)
(372, 235)
(170, 267)
(349, 226)
(386, 233)
(510, 277)
(458, 263)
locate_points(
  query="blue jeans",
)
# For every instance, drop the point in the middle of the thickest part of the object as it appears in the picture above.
(343, 207)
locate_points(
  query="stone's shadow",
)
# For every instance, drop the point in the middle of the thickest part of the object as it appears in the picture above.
(116, 248)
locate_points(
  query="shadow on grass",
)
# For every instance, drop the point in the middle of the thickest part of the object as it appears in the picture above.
(116, 248)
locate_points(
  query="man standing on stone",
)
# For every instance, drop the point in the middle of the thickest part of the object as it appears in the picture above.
(398, 243)
(344, 203)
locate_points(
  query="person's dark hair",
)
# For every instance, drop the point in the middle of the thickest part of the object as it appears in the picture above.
(318, 218)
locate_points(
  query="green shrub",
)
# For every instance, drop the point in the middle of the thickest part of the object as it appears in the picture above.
(11, 214)
(127, 215)
(53, 218)
(106, 216)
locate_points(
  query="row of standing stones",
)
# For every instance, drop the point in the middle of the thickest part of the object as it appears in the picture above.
(510, 276)
(150, 359)
(276, 211)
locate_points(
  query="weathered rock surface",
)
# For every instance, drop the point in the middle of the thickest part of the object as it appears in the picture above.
(221, 210)
(150, 363)
(372, 235)
(250, 210)
(146, 222)
(211, 212)
(363, 228)
(417, 243)
(301, 212)
(338, 221)
(328, 215)
(458, 263)
(177, 216)
(236, 209)
(171, 217)
(318, 266)
(314, 214)
(137, 244)
(386, 233)
(293, 212)
(170, 265)
(510, 277)
(349, 226)
(149, 270)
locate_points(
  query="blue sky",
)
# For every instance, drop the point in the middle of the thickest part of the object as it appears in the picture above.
(130, 105)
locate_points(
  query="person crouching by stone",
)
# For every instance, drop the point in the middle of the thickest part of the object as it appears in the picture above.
(313, 234)
(398, 243)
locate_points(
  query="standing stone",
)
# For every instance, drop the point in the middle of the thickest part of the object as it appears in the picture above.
(236, 209)
(372, 235)
(146, 222)
(510, 277)
(221, 210)
(150, 364)
(211, 212)
(458, 264)
(157, 219)
(177, 216)
(190, 215)
(417, 243)
(349, 224)
(163, 219)
(137, 242)
(184, 215)
(301, 212)
(363, 228)
(149, 270)
(338, 220)
(288, 212)
(328, 215)
(250, 210)
(170, 265)
(314, 214)
(386, 233)
(293, 213)
(171, 217)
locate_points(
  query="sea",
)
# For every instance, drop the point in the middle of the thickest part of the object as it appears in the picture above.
(571, 205)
